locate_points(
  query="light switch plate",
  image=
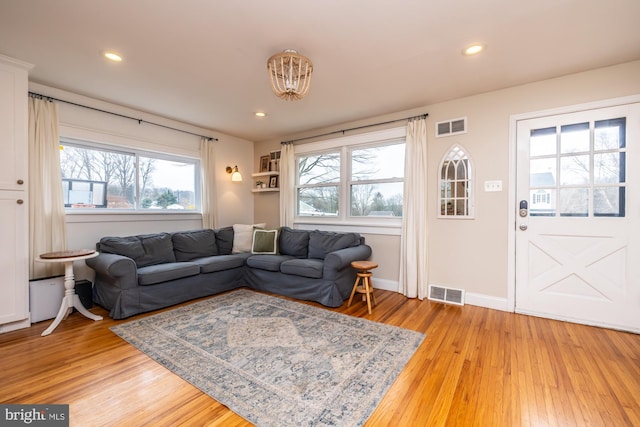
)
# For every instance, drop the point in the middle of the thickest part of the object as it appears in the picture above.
(492, 186)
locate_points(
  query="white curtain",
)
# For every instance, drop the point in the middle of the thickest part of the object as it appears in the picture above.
(413, 247)
(208, 180)
(287, 184)
(47, 227)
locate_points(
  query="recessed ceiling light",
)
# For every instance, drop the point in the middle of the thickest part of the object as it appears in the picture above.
(260, 114)
(112, 56)
(473, 49)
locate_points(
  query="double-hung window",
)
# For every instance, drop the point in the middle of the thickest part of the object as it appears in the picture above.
(352, 180)
(101, 177)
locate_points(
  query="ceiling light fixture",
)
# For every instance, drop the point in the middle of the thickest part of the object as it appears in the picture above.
(473, 49)
(290, 74)
(112, 56)
(260, 114)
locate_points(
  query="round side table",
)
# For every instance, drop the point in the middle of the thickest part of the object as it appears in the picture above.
(71, 299)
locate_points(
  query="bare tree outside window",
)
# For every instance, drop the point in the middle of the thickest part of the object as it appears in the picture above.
(160, 183)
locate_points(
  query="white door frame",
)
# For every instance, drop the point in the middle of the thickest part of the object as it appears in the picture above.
(511, 223)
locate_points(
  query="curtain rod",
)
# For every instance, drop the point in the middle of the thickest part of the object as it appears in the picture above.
(355, 128)
(140, 121)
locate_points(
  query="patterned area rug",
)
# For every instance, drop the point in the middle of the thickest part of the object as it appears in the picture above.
(277, 362)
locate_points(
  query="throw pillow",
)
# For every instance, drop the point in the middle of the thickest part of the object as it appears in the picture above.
(264, 242)
(243, 237)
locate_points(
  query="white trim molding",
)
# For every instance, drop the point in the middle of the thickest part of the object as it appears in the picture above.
(486, 301)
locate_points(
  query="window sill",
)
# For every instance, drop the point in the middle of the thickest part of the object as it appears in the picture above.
(86, 215)
(388, 227)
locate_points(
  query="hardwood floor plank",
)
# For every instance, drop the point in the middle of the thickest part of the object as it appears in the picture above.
(475, 367)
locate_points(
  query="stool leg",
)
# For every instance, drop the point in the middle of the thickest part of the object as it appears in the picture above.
(353, 291)
(367, 292)
(373, 294)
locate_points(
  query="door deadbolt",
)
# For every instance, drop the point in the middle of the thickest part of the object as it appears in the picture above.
(524, 208)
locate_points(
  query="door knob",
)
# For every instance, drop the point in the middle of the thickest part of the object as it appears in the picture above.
(523, 227)
(19, 201)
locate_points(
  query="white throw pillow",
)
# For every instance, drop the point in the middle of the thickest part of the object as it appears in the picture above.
(243, 237)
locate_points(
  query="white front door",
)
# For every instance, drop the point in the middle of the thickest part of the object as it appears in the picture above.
(578, 217)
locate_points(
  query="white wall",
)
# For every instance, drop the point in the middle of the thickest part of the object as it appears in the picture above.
(473, 254)
(235, 201)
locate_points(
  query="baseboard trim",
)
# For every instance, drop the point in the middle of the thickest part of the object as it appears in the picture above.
(14, 326)
(471, 298)
(486, 301)
(385, 284)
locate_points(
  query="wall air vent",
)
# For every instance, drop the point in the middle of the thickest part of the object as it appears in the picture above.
(451, 127)
(446, 295)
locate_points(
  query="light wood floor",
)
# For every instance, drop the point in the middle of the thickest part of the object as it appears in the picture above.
(476, 367)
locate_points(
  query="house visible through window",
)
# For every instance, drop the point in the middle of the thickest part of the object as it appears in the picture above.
(455, 184)
(103, 178)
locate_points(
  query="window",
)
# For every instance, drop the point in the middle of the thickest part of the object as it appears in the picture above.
(377, 180)
(455, 184)
(101, 177)
(358, 178)
(581, 169)
(318, 184)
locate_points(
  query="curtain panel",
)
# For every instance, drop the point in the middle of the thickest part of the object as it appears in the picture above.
(47, 227)
(287, 185)
(208, 182)
(414, 263)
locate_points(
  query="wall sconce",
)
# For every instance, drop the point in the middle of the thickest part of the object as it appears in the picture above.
(235, 175)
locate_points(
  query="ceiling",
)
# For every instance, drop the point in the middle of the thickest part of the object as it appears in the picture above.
(203, 62)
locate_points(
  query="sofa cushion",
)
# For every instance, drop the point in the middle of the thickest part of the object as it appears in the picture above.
(293, 242)
(188, 245)
(323, 242)
(149, 249)
(224, 240)
(243, 237)
(267, 262)
(303, 267)
(264, 242)
(159, 273)
(219, 263)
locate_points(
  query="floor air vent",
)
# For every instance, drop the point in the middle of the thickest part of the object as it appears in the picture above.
(446, 295)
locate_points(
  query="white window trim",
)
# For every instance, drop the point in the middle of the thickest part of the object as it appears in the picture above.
(128, 145)
(374, 225)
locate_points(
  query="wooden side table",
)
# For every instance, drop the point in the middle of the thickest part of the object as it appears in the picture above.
(363, 283)
(71, 299)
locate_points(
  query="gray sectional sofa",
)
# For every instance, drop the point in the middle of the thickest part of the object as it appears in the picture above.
(137, 274)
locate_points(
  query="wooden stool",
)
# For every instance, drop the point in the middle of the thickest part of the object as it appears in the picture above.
(363, 283)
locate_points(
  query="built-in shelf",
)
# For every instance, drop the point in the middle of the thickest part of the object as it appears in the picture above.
(267, 176)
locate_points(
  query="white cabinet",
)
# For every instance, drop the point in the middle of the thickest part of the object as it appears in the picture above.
(14, 213)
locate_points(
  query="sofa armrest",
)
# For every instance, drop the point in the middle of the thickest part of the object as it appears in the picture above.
(117, 270)
(341, 259)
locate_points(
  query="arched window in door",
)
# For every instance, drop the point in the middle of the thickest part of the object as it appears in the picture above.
(456, 189)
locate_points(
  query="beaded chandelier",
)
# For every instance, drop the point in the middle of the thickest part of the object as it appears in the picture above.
(290, 74)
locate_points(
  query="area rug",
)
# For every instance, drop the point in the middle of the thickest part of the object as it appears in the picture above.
(277, 362)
